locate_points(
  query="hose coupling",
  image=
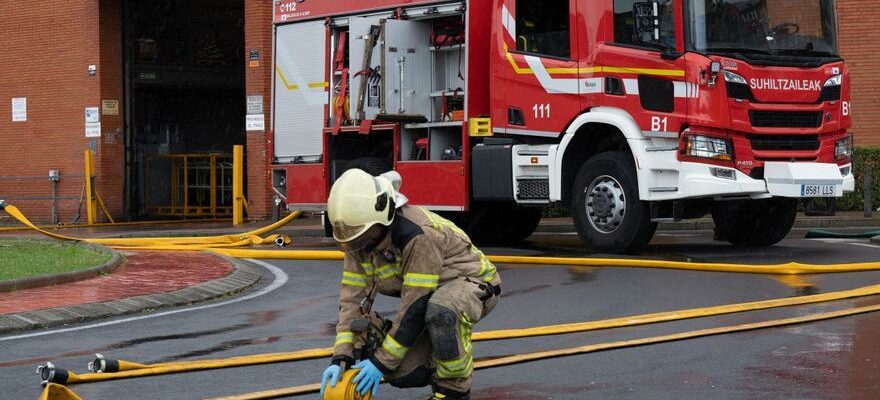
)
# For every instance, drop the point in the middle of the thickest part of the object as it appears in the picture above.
(102, 364)
(2, 204)
(49, 373)
(282, 241)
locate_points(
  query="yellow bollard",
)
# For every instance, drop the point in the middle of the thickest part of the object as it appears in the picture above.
(237, 185)
(91, 202)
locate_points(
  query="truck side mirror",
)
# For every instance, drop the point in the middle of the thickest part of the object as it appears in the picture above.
(646, 22)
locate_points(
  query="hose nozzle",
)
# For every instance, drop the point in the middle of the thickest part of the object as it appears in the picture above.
(50, 374)
(2, 204)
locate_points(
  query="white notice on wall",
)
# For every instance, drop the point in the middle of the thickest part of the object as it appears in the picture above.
(93, 129)
(255, 104)
(92, 115)
(255, 122)
(19, 109)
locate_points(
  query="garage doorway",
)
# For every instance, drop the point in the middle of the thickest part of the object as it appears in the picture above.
(185, 105)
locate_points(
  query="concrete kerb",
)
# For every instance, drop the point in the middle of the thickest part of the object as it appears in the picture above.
(243, 277)
(108, 267)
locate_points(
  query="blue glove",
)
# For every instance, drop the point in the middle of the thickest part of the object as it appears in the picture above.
(332, 373)
(368, 378)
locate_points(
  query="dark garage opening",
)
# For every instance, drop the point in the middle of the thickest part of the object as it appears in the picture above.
(185, 98)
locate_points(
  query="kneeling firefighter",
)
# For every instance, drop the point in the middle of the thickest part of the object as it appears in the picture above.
(444, 282)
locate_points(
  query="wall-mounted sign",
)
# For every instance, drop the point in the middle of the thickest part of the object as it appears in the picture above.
(93, 122)
(93, 129)
(255, 104)
(255, 122)
(253, 58)
(92, 114)
(19, 109)
(109, 107)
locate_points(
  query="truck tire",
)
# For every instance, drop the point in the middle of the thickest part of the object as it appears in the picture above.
(754, 222)
(498, 223)
(606, 208)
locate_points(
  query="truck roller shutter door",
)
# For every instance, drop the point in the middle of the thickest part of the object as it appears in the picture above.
(300, 90)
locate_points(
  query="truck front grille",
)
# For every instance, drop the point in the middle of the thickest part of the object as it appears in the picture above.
(785, 142)
(786, 119)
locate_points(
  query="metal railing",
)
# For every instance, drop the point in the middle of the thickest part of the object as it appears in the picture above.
(189, 185)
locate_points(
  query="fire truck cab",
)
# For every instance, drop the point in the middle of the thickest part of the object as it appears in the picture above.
(627, 113)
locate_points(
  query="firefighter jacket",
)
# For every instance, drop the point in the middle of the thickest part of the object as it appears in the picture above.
(421, 252)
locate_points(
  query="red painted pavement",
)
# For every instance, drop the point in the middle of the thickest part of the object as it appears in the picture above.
(141, 274)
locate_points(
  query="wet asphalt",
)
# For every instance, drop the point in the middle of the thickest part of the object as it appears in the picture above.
(835, 359)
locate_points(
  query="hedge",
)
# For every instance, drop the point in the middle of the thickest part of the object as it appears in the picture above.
(863, 158)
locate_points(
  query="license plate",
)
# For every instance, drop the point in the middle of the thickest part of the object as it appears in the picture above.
(818, 190)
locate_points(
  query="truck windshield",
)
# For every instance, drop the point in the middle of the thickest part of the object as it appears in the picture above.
(764, 28)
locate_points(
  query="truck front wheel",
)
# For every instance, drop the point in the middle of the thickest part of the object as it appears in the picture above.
(606, 208)
(754, 222)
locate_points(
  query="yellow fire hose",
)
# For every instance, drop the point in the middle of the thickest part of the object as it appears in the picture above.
(55, 391)
(128, 369)
(217, 244)
(791, 268)
(173, 243)
(521, 358)
(344, 388)
(116, 224)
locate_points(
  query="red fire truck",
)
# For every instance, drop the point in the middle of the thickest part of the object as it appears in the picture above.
(625, 112)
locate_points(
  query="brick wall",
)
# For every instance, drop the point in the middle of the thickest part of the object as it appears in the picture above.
(258, 36)
(859, 37)
(111, 147)
(47, 51)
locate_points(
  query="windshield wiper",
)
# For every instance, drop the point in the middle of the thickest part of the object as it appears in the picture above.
(737, 50)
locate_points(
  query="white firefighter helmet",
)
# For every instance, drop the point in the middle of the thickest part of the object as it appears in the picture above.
(358, 201)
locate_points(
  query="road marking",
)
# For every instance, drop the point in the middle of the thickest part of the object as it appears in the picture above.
(853, 242)
(873, 246)
(280, 279)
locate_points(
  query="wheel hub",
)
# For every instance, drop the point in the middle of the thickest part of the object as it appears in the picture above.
(605, 204)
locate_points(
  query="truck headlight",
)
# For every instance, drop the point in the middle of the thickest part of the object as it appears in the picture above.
(700, 146)
(734, 78)
(843, 148)
(835, 80)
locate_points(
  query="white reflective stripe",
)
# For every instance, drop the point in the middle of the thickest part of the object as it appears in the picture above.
(529, 132)
(686, 90)
(509, 22)
(564, 86)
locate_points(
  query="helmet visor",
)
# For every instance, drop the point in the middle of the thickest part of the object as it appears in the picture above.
(346, 233)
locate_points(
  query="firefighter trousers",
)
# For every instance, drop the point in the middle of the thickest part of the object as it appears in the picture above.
(443, 355)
